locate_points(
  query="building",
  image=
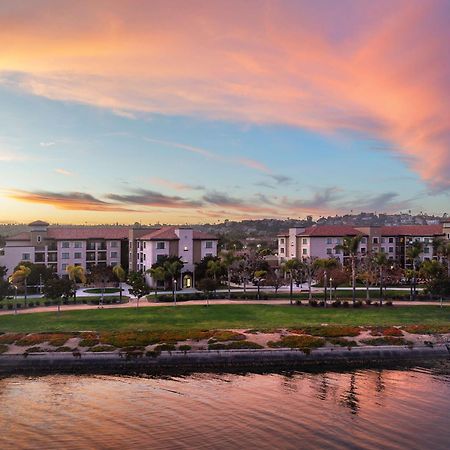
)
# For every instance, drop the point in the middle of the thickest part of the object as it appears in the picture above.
(191, 245)
(59, 247)
(320, 241)
(136, 248)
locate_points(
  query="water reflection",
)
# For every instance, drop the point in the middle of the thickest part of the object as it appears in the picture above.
(367, 409)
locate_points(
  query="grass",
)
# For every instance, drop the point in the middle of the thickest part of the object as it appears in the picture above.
(184, 318)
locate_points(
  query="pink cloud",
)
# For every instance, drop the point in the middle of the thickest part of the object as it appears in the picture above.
(327, 66)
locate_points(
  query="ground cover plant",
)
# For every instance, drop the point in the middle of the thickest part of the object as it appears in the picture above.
(235, 345)
(328, 331)
(386, 340)
(301, 341)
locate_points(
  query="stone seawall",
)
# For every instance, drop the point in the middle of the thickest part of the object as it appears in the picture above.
(223, 360)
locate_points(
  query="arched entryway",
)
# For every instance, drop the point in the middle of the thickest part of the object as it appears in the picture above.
(187, 280)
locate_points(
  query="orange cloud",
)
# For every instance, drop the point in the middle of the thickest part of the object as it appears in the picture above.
(361, 66)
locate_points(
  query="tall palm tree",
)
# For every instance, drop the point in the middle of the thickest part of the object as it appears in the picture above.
(228, 258)
(121, 275)
(350, 249)
(290, 267)
(21, 275)
(413, 254)
(325, 265)
(381, 262)
(444, 251)
(157, 273)
(173, 269)
(76, 273)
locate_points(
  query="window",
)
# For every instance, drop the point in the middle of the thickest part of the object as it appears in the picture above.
(208, 244)
(114, 255)
(329, 241)
(65, 244)
(338, 241)
(185, 248)
(391, 240)
(382, 240)
(64, 266)
(114, 244)
(208, 254)
(304, 241)
(26, 256)
(363, 240)
(159, 258)
(161, 245)
(39, 238)
(282, 241)
(329, 251)
(77, 255)
(375, 240)
(281, 249)
(382, 249)
(426, 250)
(304, 251)
(39, 257)
(337, 251)
(145, 244)
(391, 249)
(363, 249)
(65, 256)
(78, 244)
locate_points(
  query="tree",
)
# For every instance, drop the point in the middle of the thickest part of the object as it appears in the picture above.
(367, 274)
(20, 276)
(443, 250)
(228, 258)
(207, 285)
(173, 270)
(290, 267)
(259, 276)
(39, 273)
(322, 267)
(121, 275)
(309, 264)
(158, 274)
(274, 279)
(214, 268)
(57, 288)
(413, 254)
(381, 262)
(431, 271)
(101, 275)
(5, 286)
(76, 273)
(350, 249)
(138, 285)
(201, 268)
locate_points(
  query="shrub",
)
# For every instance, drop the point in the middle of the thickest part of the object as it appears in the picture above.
(342, 342)
(389, 303)
(10, 306)
(313, 303)
(345, 304)
(336, 304)
(358, 304)
(421, 329)
(226, 335)
(47, 302)
(386, 340)
(54, 339)
(236, 345)
(34, 350)
(368, 302)
(297, 342)
(10, 338)
(389, 331)
(322, 303)
(328, 330)
(3, 348)
(165, 347)
(184, 347)
(64, 349)
(88, 342)
(298, 302)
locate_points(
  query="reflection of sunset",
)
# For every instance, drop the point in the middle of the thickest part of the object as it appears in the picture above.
(364, 409)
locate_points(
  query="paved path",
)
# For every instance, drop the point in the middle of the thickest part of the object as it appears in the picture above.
(146, 304)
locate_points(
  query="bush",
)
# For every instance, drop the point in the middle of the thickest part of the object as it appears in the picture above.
(184, 348)
(389, 303)
(226, 335)
(47, 302)
(423, 329)
(345, 304)
(10, 338)
(297, 342)
(358, 304)
(336, 304)
(342, 342)
(322, 303)
(102, 348)
(234, 345)
(328, 330)
(368, 302)
(10, 306)
(386, 340)
(313, 303)
(3, 348)
(298, 302)
(164, 348)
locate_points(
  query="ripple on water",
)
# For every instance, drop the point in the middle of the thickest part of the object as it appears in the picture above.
(367, 409)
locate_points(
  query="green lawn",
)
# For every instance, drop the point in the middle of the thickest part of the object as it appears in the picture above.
(220, 316)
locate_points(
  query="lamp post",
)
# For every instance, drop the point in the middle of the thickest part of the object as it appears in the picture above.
(175, 292)
(331, 289)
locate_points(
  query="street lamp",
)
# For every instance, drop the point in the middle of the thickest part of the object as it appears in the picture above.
(175, 292)
(331, 289)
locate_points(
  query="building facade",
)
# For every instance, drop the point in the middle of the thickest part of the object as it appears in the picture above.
(320, 241)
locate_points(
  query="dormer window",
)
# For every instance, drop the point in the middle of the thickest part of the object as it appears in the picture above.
(39, 239)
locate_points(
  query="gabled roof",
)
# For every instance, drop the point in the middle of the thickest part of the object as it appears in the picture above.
(168, 234)
(24, 236)
(330, 231)
(412, 230)
(88, 233)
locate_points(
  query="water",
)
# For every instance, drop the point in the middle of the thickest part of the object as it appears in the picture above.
(368, 409)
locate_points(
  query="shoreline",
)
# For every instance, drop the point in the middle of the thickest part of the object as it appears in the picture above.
(216, 360)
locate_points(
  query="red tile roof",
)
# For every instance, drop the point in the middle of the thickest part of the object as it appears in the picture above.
(88, 233)
(412, 230)
(330, 231)
(24, 236)
(168, 234)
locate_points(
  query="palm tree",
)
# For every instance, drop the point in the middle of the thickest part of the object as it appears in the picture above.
(350, 248)
(228, 258)
(172, 269)
(121, 275)
(325, 264)
(413, 254)
(157, 273)
(214, 267)
(444, 251)
(76, 273)
(309, 266)
(21, 275)
(290, 267)
(381, 261)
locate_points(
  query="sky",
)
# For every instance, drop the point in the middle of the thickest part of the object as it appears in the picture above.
(185, 111)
